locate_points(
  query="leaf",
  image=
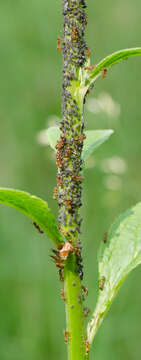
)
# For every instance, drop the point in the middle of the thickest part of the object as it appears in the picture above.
(53, 135)
(94, 138)
(110, 61)
(118, 256)
(33, 207)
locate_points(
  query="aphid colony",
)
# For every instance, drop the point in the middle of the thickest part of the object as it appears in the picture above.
(69, 147)
(68, 191)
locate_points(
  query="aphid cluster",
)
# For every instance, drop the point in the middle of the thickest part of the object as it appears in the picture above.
(63, 295)
(69, 147)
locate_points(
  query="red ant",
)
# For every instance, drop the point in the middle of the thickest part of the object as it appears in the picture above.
(102, 282)
(66, 336)
(59, 44)
(88, 53)
(55, 192)
(75, 33)
(104, 72)
(85, 290)
(63, 295)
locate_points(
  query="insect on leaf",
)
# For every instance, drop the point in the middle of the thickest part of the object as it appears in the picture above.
(33, 207)
(109, 61)
(118, 256)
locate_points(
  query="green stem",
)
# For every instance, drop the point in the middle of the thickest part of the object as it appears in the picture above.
(77, 346)
(69, 179)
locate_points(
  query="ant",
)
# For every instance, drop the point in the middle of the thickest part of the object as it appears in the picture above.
(55, 192)
(102, 282)
(85, 290)
(89, 68)
(59, 44)
(104, 73)
(63, 295)
(66, 336)
(88, 53)
(75, 33)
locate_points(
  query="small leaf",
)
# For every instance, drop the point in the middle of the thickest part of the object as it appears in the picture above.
(53, 135)
(33, 207)
(94, 138)
(118, 256)
(110, 61)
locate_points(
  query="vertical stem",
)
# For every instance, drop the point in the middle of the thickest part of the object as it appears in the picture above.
(74, 313)
(69, 177)
(70, 146)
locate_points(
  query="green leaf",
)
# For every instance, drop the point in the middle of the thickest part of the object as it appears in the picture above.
(118, 256)
(94, 138)
(110, 61)
(53, 135)
(33, 207)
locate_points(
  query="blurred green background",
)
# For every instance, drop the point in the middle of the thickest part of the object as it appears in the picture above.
(32, 316)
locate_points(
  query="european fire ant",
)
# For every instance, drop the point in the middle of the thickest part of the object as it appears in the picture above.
(89, 68)
(63, 295)
(85, 290)
(102, 282)
(104, 72)
(59, 145)
(85, 21)
(59, 160)
(38, 228)
(55, 192)
(75, 33)
(80, 138)
(67, 153)
(59, 44)
(61, 275)
(77, 178)
(59, 180)
(87, 347)
(69, 205)
(66, 336)
(88, 53)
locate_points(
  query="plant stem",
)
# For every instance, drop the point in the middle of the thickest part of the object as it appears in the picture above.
(69, 177)
(70, 146)
(74, 313)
